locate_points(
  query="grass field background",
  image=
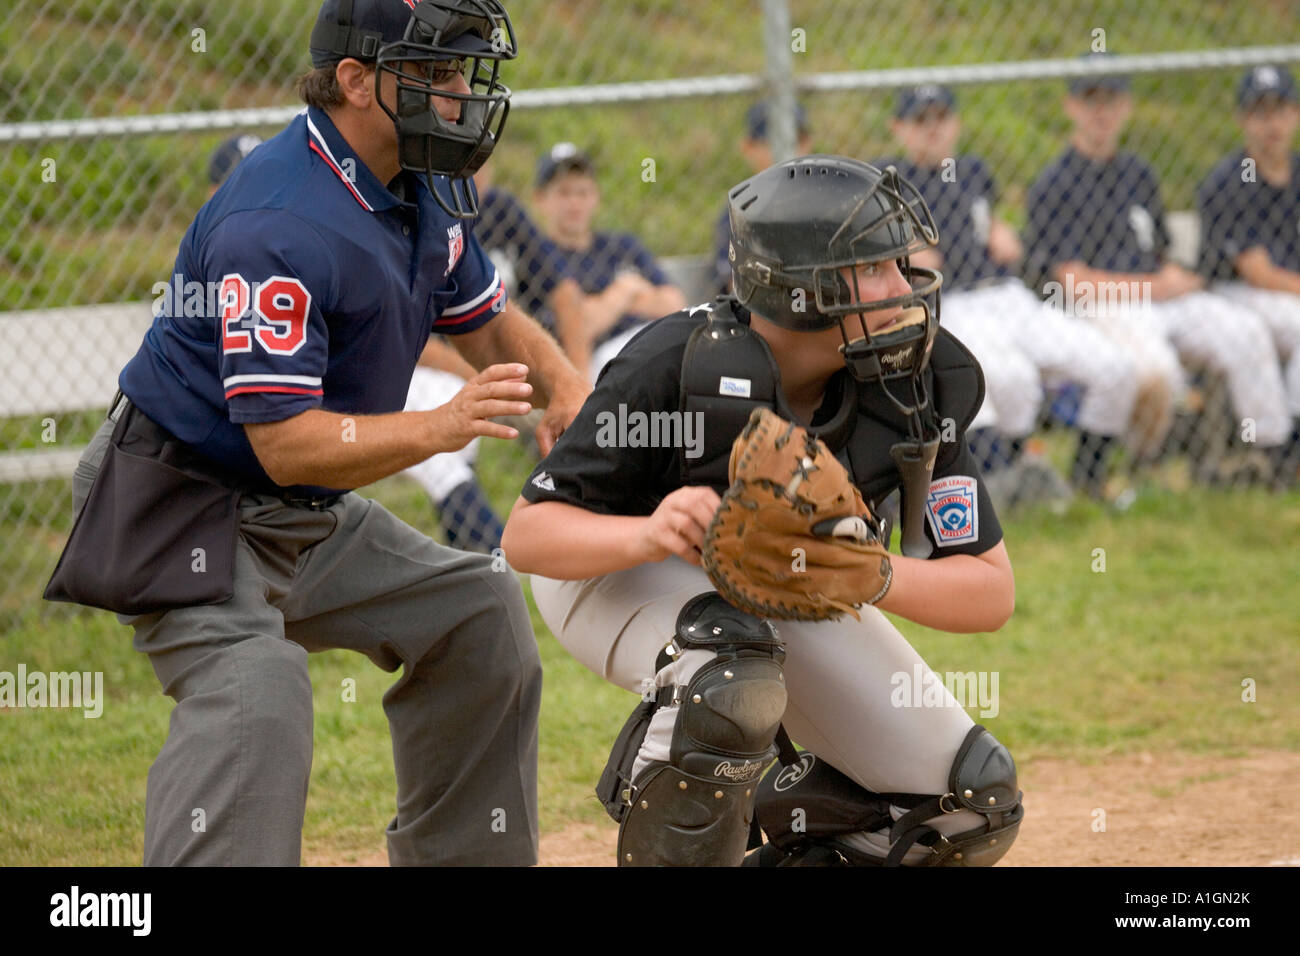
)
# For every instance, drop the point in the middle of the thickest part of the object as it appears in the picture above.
(1198, 594)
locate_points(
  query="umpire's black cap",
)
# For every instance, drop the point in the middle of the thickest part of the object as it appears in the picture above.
(358, 28)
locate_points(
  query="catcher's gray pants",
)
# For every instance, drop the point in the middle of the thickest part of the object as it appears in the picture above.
(463, 715)
(842, 677)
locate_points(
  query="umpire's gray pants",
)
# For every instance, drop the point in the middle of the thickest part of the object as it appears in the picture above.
(463, 715)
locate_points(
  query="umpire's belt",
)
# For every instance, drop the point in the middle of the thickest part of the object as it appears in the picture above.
(159, 527)
(145, 425)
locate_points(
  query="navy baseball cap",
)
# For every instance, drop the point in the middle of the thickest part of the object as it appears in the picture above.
(756, 121)
(1262, 81)
(1115, 82)
(358, 28)
(563, 158)
(229, 155)
(916, 100)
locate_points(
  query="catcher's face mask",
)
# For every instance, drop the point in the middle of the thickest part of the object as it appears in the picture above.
(895, 356)
(452, 50)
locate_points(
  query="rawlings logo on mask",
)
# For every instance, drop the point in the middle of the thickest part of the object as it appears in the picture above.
(896, 360)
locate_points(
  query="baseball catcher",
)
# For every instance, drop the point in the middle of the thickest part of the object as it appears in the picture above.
(777, 423)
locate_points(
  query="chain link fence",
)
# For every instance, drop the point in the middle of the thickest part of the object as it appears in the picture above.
(110, 115)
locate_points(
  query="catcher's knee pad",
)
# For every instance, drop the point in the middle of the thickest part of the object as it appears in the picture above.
(811, 808)
(696, 808)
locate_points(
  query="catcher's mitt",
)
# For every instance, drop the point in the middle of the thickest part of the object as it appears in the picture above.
(788, 492)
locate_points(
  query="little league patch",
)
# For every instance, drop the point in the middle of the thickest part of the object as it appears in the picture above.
(952, 509)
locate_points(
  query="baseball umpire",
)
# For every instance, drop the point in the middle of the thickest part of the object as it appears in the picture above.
(833, 328)
(215, 510)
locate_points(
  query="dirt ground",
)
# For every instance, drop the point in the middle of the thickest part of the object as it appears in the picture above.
(1157, 810)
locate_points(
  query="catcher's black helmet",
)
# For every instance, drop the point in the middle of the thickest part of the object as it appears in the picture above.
(795, 225)
(425, 45)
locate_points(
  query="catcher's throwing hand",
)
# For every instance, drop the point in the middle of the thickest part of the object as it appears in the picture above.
(678, 525)
(793, 538)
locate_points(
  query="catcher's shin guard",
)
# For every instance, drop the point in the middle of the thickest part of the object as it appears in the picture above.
(696, 808)
(811, 808)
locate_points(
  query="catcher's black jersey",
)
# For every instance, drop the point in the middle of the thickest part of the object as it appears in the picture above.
(621, 453)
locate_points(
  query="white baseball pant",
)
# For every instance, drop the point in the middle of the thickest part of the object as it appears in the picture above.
(1213, 332)
(1280, 312)
(1013, 389)
(1058, 347)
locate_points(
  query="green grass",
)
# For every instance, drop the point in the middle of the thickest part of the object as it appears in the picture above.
(1150, 655)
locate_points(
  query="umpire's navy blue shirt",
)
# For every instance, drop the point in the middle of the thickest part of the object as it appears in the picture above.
(328, 287)
(961, 198)
(1239, 213)
(1106, 214)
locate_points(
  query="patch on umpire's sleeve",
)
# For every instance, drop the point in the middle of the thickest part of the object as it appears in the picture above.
(952, 508)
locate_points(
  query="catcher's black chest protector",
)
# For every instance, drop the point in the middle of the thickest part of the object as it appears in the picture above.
(728, 370)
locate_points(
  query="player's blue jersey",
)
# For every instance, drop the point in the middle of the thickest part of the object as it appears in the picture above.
(1108, 215)
(961, 196)
(1240, 211)
(593, 269)
(512, 239)
(322, 288)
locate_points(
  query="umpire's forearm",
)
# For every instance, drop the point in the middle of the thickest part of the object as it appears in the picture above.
(329, 450)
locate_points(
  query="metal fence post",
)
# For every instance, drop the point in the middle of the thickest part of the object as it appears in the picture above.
(779, 57)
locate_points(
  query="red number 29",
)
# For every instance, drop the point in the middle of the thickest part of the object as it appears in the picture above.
(282, 303)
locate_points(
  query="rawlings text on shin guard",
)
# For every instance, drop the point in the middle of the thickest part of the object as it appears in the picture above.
(696, 808)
